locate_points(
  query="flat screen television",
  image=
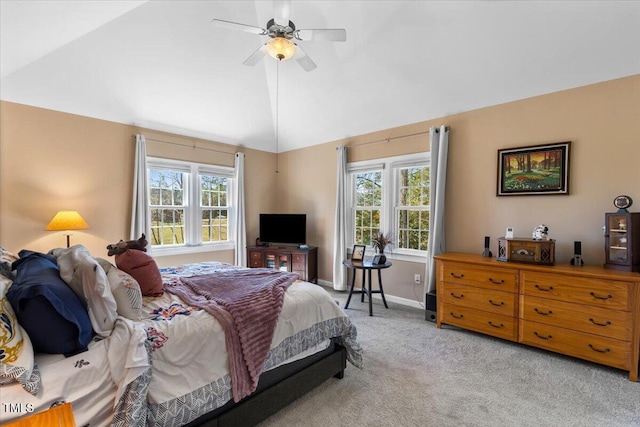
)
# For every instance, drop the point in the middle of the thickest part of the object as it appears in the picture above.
(283, 228)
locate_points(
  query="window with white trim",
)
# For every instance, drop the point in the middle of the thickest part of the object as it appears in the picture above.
(189, 204)
(412, 207)
(391, 195)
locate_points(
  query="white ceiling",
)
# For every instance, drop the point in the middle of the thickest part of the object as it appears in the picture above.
(162, 65)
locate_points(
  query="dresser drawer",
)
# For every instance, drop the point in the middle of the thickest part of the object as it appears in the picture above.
(481, 321)
(255, 263)
(504, 303)
(299, 258)
(299, 262)
(503, 279)
(255, 255)
(602, 293)
(585, 318)
(595, 348)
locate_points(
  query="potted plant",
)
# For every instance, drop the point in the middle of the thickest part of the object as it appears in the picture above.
(380, 241)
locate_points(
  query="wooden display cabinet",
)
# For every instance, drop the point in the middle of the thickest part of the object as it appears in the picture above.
(290, 259)
(622, 241)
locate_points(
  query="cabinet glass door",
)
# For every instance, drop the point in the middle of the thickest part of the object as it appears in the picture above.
(270, 260)
(617, 239)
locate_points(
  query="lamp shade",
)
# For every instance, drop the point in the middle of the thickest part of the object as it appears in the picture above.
(281, 48)
(67, 220)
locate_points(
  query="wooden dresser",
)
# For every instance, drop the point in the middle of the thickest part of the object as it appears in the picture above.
(587, 312)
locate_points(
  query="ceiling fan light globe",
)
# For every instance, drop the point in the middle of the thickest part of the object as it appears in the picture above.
(281, 48)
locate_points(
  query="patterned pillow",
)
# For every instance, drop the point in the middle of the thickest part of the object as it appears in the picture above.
(125, 290)
(6, 260)
(144, 269)
(16, 351)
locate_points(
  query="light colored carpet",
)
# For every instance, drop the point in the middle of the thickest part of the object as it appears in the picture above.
(418, 375)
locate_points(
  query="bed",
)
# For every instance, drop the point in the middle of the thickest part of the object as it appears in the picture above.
(170, 366)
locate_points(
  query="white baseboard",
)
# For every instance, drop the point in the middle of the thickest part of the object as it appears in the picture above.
(389, 298)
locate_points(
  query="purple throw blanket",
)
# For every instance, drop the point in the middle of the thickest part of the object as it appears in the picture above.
(247, 304)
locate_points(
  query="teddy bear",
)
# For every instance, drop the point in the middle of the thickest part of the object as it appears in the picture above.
(122, 246)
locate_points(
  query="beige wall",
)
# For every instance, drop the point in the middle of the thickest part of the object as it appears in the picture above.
(601, 120)
(51, 161)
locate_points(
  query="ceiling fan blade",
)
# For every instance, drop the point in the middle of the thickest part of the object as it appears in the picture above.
(329, 35)
(256, 56)
(237, 26)
(304, 60)
(282, 12)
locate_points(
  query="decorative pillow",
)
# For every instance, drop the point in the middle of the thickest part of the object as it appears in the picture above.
(16, 351)
(89, 281)
(6, 260)
(125, 290)
(144, 269)
(49, 311)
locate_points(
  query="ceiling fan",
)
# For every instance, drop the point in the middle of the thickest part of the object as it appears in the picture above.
(282, 36)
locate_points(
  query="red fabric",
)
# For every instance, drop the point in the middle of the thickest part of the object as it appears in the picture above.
(144, 269)
(247, 304)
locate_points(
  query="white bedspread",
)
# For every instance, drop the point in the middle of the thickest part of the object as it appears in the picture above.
(92, 381)
(172, 367)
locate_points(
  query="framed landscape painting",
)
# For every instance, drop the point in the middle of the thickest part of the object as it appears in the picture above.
(534, 170)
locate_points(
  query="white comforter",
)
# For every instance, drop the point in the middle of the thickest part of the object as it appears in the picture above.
(177, 354)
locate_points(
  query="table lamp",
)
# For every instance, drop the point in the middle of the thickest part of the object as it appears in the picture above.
(67, 220)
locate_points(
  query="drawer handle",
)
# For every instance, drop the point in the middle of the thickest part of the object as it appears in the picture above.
(606, 350)
(497, 305)
(548, 337)
(599, 324)
(458, 317)
(457, 296)
(544, 314)
(599, 297)
(550, 288)
(501, 325)
(496, 282)
(457, 276)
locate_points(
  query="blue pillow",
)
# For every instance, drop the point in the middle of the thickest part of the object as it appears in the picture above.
(54, 317)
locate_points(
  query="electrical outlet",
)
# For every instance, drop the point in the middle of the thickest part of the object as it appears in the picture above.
(416, 278)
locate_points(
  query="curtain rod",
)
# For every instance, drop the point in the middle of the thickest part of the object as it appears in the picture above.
(391, 138)
(187, 146)
(387, 139)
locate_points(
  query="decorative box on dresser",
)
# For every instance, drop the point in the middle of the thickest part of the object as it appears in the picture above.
(291, 259)
(587, 312)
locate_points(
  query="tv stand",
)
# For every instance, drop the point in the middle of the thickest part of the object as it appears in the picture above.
(291, 259)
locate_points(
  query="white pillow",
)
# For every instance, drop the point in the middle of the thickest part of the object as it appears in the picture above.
(16, 351)
(88, 280)
(125, 289)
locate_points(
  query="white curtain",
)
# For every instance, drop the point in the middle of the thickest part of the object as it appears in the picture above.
(340, 231)
(140, 221)
(240, 236)
(439, 141)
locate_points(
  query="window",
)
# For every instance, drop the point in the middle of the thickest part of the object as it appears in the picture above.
(368, 205)
(412, 207)
(189, 205)
(391, 195)
(167, 205)
(215, 211)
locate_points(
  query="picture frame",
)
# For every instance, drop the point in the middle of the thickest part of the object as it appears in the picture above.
(376, 260)
(358, 252)
(534, 170)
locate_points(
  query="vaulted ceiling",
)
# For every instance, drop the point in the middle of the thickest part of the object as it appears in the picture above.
(163, 65)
